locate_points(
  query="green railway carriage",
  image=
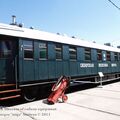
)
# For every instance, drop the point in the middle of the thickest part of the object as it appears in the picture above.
(31, 59)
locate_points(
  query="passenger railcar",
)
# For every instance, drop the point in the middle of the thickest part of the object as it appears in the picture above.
(31, 59)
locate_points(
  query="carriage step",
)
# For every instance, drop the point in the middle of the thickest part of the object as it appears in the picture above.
(8, 91)
(7, 85)
(9, 97)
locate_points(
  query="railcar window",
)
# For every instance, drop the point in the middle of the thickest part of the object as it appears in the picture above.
(87, 54)
(99, 55)
(58, 50)
(116, 56)
(108, 56)
(5, 49)
(72, 53)
(28, 49)
(119, 56)
(43, 50)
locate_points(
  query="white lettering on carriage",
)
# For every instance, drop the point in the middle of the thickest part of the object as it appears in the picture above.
(102, 65)
(113, 65)
(85, 65)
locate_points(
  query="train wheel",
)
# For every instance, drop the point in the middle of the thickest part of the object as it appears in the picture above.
(30, 93)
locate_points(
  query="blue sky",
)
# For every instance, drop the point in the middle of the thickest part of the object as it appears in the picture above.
(91, 20)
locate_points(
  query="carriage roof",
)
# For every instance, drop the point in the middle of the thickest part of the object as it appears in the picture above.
(16, 31)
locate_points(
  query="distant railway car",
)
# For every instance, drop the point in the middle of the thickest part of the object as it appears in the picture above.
(31, 59)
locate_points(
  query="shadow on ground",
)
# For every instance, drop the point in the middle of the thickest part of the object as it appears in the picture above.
(18, 101)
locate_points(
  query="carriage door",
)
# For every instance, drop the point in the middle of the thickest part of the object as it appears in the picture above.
(8, 54)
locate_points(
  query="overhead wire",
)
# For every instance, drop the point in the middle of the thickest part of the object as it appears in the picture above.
(114, 4)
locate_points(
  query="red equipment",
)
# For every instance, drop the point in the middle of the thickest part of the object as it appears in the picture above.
(58, 90)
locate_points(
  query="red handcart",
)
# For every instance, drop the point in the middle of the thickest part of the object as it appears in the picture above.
(58, 90)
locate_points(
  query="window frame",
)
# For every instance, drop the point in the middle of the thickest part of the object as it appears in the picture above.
(118, 56)
(99, 55)
(58, 49)
(46, 49)
(72, 53)
(108, 56)
(115, 56)
(87, 53)
(5, 53)
(28, 48)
